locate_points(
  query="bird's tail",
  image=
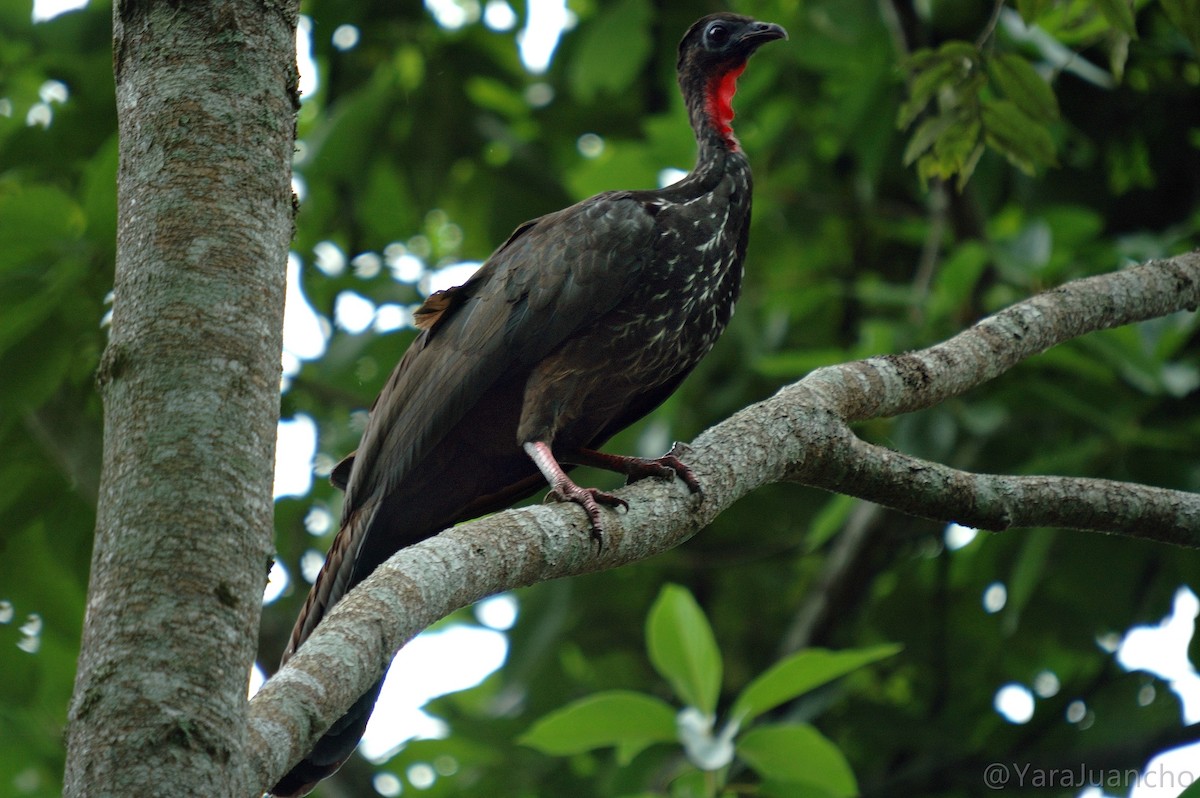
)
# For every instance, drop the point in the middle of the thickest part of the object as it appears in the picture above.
(340, 572)
(374, 532)
(332, 750)
(337, 576)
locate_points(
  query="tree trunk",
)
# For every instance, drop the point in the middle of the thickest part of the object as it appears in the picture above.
(206, 99)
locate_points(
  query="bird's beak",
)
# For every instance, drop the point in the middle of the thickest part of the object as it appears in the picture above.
(763, 32)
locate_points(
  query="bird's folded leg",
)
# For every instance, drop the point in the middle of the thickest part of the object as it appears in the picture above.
(665, 467)
(562, 488)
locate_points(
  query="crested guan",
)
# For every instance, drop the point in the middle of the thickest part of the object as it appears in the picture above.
(577, 326)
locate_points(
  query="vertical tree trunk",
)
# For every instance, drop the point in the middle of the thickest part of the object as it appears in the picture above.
(206, 104)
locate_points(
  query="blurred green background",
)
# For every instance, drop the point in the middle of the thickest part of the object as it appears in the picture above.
(429, 134)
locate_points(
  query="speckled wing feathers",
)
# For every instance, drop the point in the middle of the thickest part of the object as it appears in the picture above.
(552, 277)
(550, 289)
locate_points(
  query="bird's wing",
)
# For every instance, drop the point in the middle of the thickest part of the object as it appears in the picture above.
(552, 277)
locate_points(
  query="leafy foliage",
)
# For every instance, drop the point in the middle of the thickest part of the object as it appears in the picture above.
(680, 643)
(950, 141)
(1072, 148)
(682, 648)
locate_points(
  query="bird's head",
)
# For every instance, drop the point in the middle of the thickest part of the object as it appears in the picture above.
(712, 54)
(720, 42)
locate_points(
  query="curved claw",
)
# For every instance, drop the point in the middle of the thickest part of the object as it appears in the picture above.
(563, 489)
(590, 500)
(636, 468)
(671, 460)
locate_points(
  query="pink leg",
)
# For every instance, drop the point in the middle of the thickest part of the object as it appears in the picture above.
(563, 489)
(665, 467)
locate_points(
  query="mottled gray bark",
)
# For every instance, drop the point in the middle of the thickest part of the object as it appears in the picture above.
(802, 434)
(206, 105)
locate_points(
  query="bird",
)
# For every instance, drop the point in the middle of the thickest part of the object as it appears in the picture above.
(578, 325)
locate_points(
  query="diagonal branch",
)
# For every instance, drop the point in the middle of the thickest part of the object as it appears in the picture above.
(800, 434)
(998, 502)
(894, 384)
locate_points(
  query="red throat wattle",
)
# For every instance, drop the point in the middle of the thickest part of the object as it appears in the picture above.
(720, 103)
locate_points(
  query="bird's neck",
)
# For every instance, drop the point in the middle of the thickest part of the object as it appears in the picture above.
(718, 105)
(710, 105)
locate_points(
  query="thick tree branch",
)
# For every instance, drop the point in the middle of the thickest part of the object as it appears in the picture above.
(801, 434)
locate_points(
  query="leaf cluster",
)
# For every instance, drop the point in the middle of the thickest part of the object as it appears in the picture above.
(424, 144)
(791, 756)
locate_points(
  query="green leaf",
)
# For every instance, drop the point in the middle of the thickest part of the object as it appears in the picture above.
(968, 167)
(361, 115)
(956, 148)
(1030, 10)
(921, 91)
(1119, 14)
(1022, 84)
(34, 374)
(1185, 15)
(947, 145)
(926, 134)
(682, 648)
(956, 50)
(613, 50)
(692, 784)
(1010, 131)
(1118, 54)
(958, 275)
(628, 720)
(1027, 574)
(829, 521)
(36, 218)
(800, 673)
(932, 70)
(800, 754)
(775, 788)
(495, 95)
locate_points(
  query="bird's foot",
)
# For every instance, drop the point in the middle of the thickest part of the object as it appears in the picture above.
(590, 499)
(562, 489)
(666, 467)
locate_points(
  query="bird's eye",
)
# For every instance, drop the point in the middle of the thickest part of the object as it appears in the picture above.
(717, 34)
